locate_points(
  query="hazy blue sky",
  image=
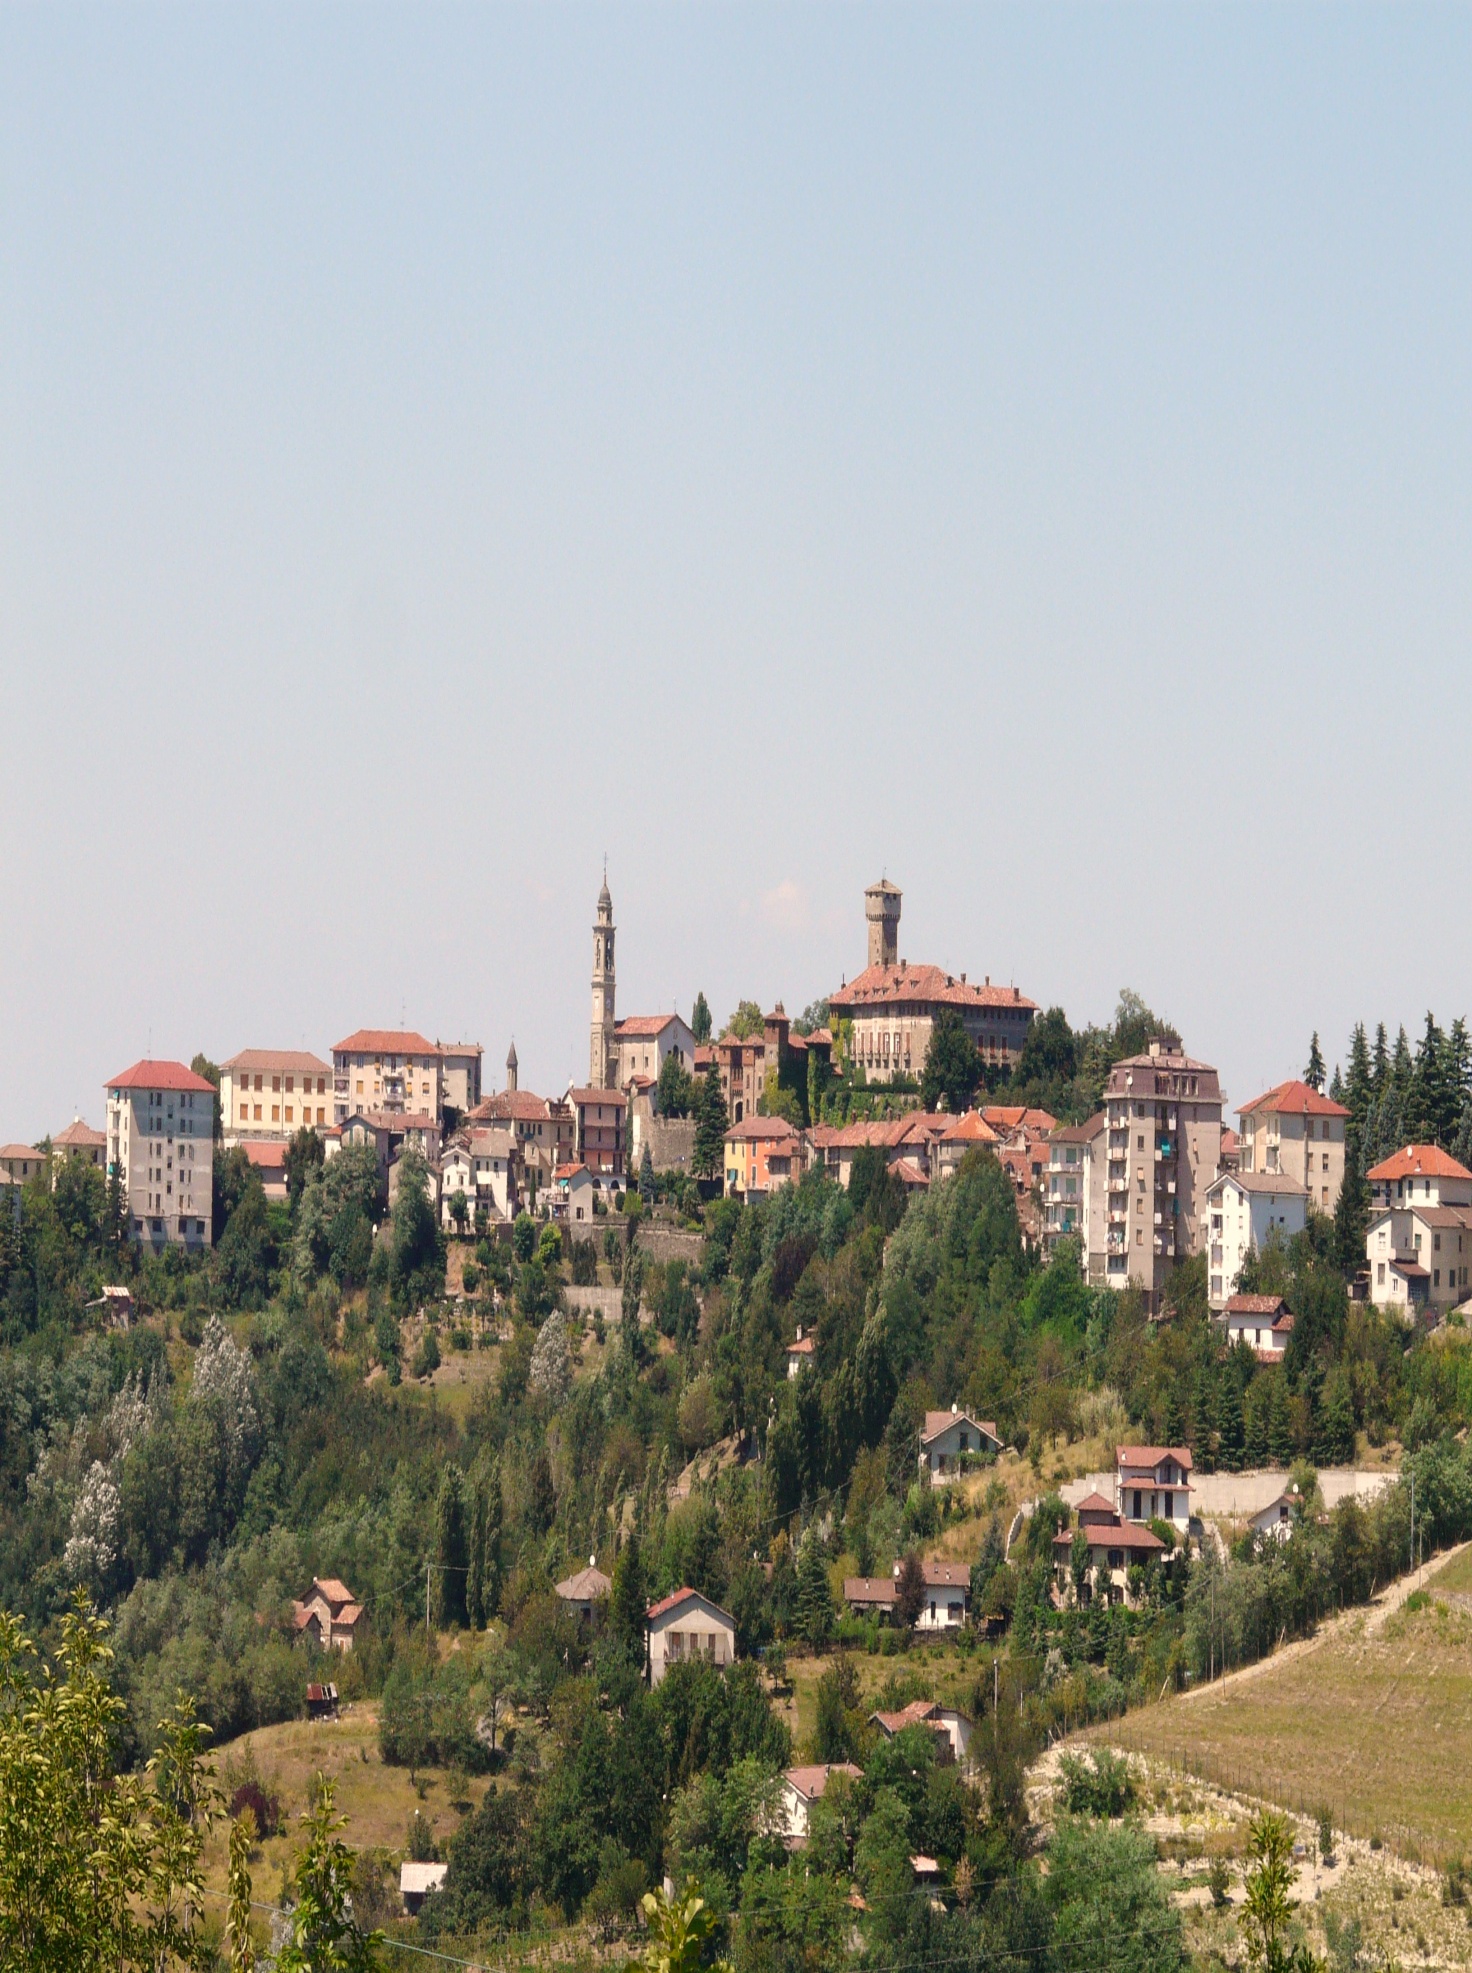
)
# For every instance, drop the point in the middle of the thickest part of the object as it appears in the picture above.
(1024, 450)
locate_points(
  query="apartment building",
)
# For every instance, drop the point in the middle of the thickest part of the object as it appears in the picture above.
(762, 1154)
(1163, 1129)
(1244, 1211)
(542, 1127)
(1419, 1241)
(160, 1144)
(386, 1069)
(272, 1093)
(1295, 1132)
(1075, 1192)
(599, 1118)
(460, 1066)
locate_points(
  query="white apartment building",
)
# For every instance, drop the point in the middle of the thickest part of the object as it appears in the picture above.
(1295, 1132)
(1244, 1209)
(1075, 1192)
(273, 1093)
(1164, 1134)
(161, 1145)
(1419, 1241)
(482, 1165)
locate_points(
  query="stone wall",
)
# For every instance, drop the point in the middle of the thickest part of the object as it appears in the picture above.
(669, 1243)
(589, 1301)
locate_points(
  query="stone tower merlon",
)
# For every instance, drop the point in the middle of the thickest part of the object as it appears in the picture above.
(602, 1049)
(882, 910)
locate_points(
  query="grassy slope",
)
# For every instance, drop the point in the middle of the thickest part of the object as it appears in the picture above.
(1373, 1718)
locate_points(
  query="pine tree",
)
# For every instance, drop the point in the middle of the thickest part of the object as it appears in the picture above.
(451, 1548)
(1313, 1075)
(646, 1175)
(1203, 1405)
(628, 1599)
(490, 1543)
(1336, 1439)
(1428, 1104)
(1231, 1433)
(1280, 1422)
(1357, 1083)
(1352, 1207)
(1459, 1063)
(1402, 1064)
(475, 1611)
(711, 1125)
(700, 1018)
(1462, 1148)
(1379, 1061)
(814, 1597)
(1336, 1086)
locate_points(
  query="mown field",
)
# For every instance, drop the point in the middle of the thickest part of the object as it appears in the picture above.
(1372, 1719)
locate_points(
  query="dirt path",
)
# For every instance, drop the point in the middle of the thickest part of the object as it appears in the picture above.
(1379, 1611)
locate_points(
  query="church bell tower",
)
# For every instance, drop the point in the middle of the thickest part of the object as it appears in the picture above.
(602, 1049)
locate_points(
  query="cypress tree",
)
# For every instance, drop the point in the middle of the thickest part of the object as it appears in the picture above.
(646, 1175)
(628, 1600)
(700, 1018)
(451, 1548)
(1351, 1208)
(814, 1598)
(711, 1125)
(475, 1611)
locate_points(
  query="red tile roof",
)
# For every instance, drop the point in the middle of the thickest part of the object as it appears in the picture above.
(919, 1712)
(1293, 1099)
(1419, 1161)
(27, 1151)
(1254, 1304)
(868, 1589)
(615, 1099)
(804, 1346)
(1016, 1116)
(1137, 1456)
(637, 1026)
(1094, 1503)
(515, 1106)
(332, 1589)
(385, 1041)
(811, 1781)
(160, 1075)
(79, 1136)
(279, 1058)
(673, 1602)
(268, 1156)
(946, 1575)
(1120, 1534)
(936, 1422)
(763, 1130)
(879, 986)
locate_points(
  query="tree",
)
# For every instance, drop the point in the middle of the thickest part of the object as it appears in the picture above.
(747, 1022)
(460, 1210)
(1313, 1075)
(1266, 1912)
(700, 1018)
(524, 1237)
(814, 1597)
(628, 1601)
(836, 1733)
(203, 1066)
(680, 1926)
(549, 1246)
(304, 1155)
(711, 1125)
(909, 1591)
(242, 1950)
(452, 1549)
(1103, 1884)
(417, 1267)
(676, 1088)
(324, 1936)
(646, 1174)
(98, 1870)
(953, 1064)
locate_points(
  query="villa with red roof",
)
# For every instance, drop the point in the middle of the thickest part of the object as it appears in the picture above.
(1296, 1132)
(801, 1787)
(645, 1042)
(1153, 1483)
(688, 1625)
(1419, 1240)
(79, 1140)
(160, 1144)
(1115, 1546)
(948, 1437)
(329, 1612)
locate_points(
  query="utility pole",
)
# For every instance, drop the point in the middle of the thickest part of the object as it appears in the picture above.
(427, 1567)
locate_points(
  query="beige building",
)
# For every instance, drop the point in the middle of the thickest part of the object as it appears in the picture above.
(1163, 1130)
(1295, 1131)
(1075, 1192)
(78, 1140)
(386, 1069)
(1244, 1211)
(20, 1163)
(893, 1005)
(543, 1128)
(688, 1625)
(161, 1145)
(460, 1066)
(600, 1118)
(482, 1164)
(274, 1093)
(1419, 1241)
(646, 1041)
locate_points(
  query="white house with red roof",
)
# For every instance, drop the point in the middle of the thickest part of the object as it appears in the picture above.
(78, 1140)
(161, 1146)
(1419, 1240)
(947, 1595)
(949, 1437)
(1153, 1483)
(801, 1787)
(645, 1042)
(1263, 1322)
(802, 1352)
(1243, 1211)
(952, 1728)
(1115, 1546)
(688, 1625)
(574, 1189)
(1294, 1131)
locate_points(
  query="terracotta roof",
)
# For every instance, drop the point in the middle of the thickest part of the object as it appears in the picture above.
(79, 1136)
(269, 1156)
(513, 1106)
(1119, 1534)
(762, 1130)
(1017, 1116)
(969, 1128)
(1419, 1161)
(1455, 1217)
(279, 1058)
(490, 1143)
(637, 1026)
(348, 1614)
(1294, 1099)
(1277, 1183)
(946, 1575)
(1094, 1503)
(19, 1151)
(160, 1075)
(879, 986)
(804, 1346)
(584, 1098)
(673, 1602)
(1084, 1133)
(397, 1120)
(919, 1712)
(868, 1589)
(909, 1173)
(811, 1781)
(1135, 1456)
(937, 1422)
(1254, 1304)
(564, 1174)
(334, 1590)
(585, 1587)
(385, 1041)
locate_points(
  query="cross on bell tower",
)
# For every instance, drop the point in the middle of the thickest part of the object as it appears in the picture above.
(602, 1049)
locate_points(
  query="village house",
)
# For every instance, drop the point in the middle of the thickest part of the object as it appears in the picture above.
(574, 1189)
(1295, 1132)
(947, 1596)
(762, 1154)
(948, 1437)
(1275, 1521)
(688, 1625)
(1419, 1241)
(1153, 1483)
(272, 1093)
(543, 1128)
(329, 1613)
(115, 1307)
(599, 1119)
(78, 1140)
(952, 1728)
(801, 1354)
(1115, 1546)
(416, 1881)
(869, 1596)
(268, 1158)
(390, 1133)
(586, 1588)
(645, 1042)
(893, 1005)
(1244, 1210)
(386, 1069)
(481, 1163)
(801, 1787)
(19, 1163)
(745, 1063)
(1263, 1322)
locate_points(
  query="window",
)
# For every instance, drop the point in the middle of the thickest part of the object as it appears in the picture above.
(288, 1085)
(258, 1113)
(290, 1112)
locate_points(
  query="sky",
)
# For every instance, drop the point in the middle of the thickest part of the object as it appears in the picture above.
(1022, 451)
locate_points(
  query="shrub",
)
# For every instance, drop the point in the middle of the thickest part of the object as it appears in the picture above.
(427, 1356)
(263, 1806)
(1098, 1785)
